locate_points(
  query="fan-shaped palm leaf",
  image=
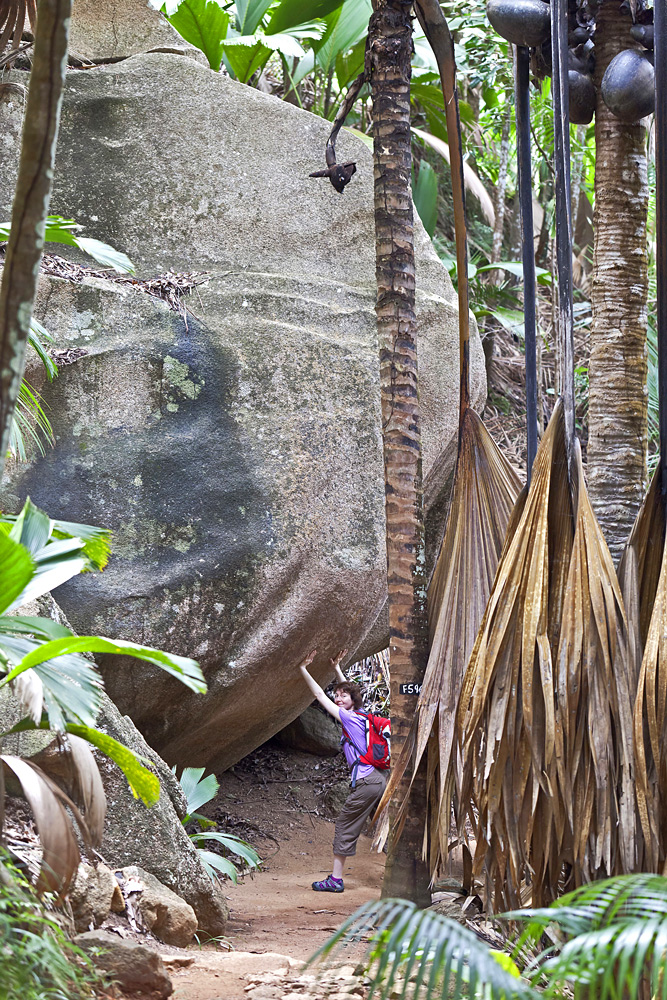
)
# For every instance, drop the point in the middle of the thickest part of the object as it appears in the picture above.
(607, 938)
(69, 762)
(643, 568)
(545, 711)
(506, 718)
(60, 857)
(424, 952)
(593, 709)
(485, 490)
(650, 714)
(610, 936)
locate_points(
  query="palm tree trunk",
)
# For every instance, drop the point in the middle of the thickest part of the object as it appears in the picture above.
(617, 396)
(390, 47)
(31, 202)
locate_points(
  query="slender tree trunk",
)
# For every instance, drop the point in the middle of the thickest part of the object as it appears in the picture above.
(31, 202)
(501, 189)
(617, 396)
(390, 45)
(577, 177)
(496, 277)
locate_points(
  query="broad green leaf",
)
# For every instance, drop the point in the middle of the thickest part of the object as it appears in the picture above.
(105, 254)
(182, 667)
(216, 863)
(52, 573)
(425, 196)
(249, 13)
(197, 789)
(143, 783)
(60, 230)
(511, 319)
(428, 94)
(28, 625)
(16, 570)
(291, 13)
(36, 335)
(516, 267)
(246, 59)
(32, 528)
(203, 23)
(72, 686)
(97, 541)
(345, 27)
(350, 64)
(305, 66)
(234, 844)
(366, 139)
(506, 962)
(286, 44)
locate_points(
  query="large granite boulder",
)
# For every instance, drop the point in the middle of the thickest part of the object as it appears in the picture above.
(110, 30)
(236, 456)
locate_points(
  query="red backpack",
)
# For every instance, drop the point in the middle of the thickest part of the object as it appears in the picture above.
(378, 735)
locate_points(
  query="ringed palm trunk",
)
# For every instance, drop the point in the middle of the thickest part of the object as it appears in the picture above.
(617, 393)
(390, 47)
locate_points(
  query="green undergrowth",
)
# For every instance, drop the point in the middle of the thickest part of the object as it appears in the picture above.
(37, 961)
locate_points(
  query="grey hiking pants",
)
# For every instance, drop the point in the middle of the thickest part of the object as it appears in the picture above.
(359, 805)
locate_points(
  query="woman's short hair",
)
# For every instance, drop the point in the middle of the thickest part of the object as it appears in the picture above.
(354, 691)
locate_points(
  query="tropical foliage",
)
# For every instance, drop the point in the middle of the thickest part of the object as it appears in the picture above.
(199, 790)
(60, 689)
(605, 940)
(38, 962)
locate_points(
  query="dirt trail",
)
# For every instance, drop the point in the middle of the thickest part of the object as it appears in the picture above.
(276, 916)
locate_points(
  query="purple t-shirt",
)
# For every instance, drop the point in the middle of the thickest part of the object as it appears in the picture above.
(356, 727)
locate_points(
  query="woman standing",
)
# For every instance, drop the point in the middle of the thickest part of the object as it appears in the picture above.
(368, 782)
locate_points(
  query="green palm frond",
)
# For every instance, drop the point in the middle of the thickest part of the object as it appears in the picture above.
(30, 424)
(610, 935)
(612, 902)
(435, 955)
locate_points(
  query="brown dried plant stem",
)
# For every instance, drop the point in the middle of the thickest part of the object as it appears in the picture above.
(437, 31)
(31, 202)
(390, 50)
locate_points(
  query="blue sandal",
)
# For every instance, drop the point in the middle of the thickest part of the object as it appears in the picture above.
(329, 884)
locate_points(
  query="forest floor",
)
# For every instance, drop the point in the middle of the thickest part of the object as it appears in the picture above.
(276, 799)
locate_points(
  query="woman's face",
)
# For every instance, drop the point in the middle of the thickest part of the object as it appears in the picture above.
(343, 699)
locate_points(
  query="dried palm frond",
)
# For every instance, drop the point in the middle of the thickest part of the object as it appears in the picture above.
(13, 14)
(485, 490)
(595, 693)
(644, 563)
(505, 720)
(644, 566)
(545, 713)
